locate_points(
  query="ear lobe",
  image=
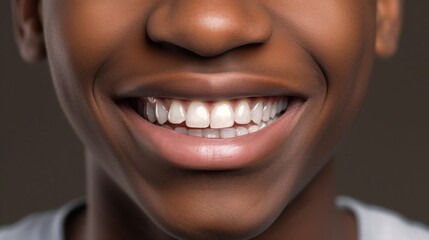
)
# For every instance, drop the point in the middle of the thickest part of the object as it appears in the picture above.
(389, 23)
(28, 29)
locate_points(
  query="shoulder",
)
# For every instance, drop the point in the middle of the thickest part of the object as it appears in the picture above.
(40, 226)
(377, 223)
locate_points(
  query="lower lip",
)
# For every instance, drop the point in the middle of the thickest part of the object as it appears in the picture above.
(197, 153)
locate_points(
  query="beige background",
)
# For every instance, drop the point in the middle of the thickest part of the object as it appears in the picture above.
(384, 160)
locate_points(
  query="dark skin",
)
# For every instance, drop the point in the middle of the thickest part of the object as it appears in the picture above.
(320, 52)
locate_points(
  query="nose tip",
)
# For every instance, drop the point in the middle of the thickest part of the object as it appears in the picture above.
(209, 28)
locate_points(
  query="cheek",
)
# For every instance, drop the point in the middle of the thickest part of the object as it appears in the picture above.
(340, 34)
(81, 36)
(341, 38)
(89, 32)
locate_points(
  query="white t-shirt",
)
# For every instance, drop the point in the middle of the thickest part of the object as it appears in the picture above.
(374, 223)
(377, 223)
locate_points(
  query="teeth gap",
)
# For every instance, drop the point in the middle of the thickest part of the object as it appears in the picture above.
(220, 119)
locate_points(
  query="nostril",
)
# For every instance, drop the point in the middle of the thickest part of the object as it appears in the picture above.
(208, 29)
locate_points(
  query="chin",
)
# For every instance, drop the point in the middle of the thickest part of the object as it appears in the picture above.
(215, 212)
(218, 223)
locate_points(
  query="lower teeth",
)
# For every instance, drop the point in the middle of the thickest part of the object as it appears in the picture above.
(223, 133)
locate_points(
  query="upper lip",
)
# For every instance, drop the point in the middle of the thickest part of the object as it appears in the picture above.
(214, 86)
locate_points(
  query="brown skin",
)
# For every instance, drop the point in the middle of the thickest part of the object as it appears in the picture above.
(325, 47)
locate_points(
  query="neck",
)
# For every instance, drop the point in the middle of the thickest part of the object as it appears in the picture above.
(111, 214)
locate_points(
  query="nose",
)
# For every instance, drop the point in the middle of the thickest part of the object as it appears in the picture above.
(209, 27)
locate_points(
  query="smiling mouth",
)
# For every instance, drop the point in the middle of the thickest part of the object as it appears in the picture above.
(211, 122)
(221, 119)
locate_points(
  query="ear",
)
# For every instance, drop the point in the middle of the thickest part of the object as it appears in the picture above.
(389, 23)
(28, 30)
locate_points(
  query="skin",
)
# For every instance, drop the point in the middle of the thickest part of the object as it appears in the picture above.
(323, 48)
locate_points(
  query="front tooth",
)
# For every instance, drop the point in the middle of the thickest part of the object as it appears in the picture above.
(242, 131)
(177, 113)
(253, 128)
(197, 115)
(195, 132)
(266, 112)
(166, 126)
(211, 133)
(242, 112)
(227, 132)
(150, 113)
(222, 116)
(161, 112)
(273, 110)
(181, 130)
(256, 113)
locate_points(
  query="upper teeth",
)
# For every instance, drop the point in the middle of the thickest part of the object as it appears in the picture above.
(222, 115)
(177, 113)
(213, 115)
(197, 115)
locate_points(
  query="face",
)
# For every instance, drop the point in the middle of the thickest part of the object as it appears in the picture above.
(211, 115)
